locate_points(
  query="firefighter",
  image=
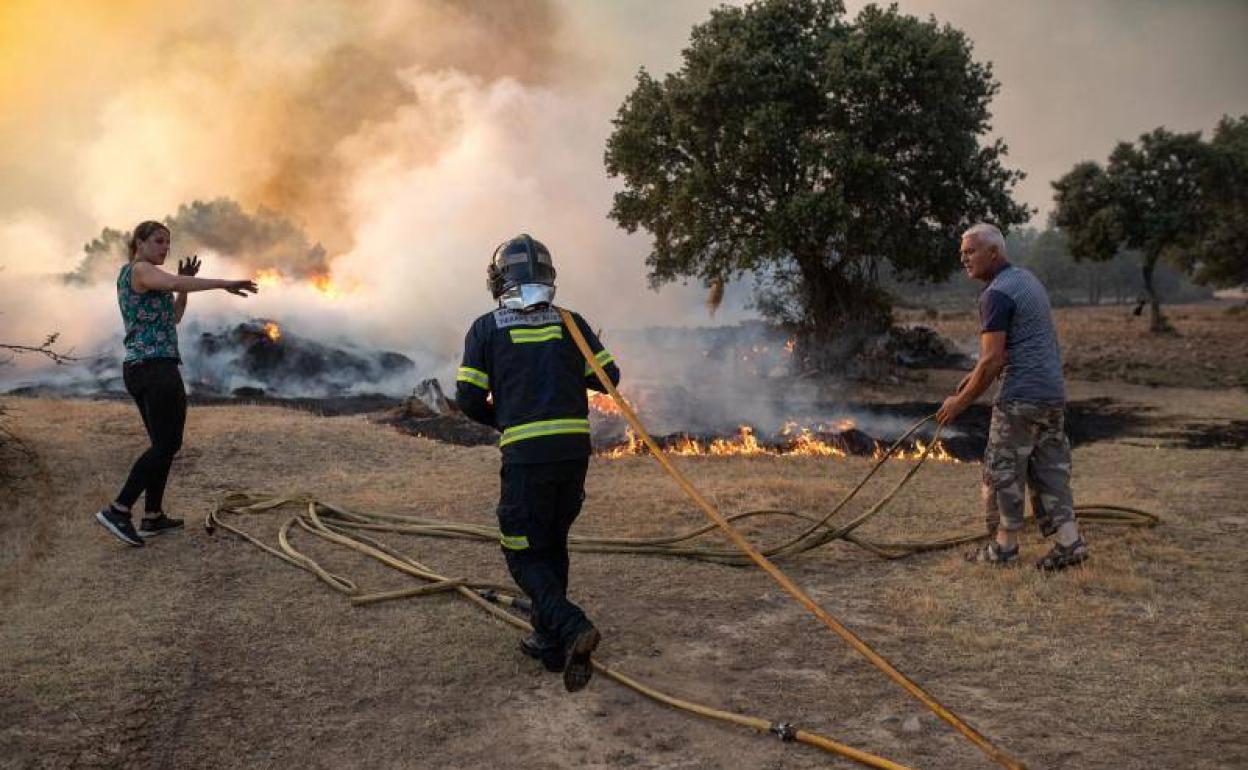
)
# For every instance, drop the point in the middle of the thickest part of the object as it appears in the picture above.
(523, 374)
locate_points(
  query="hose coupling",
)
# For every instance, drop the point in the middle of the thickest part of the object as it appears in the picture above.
(785, 731)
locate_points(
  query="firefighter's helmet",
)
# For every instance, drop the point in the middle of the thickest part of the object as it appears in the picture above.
(521, 273)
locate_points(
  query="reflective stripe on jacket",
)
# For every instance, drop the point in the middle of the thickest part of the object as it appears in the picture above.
(522, 373)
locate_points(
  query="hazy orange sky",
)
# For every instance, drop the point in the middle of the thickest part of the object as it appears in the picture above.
(410, 137)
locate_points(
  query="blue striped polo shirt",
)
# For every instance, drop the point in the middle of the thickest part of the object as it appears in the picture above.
(1016, 303)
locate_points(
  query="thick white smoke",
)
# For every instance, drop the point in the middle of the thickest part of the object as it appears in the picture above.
(408, 139)
(408, 157)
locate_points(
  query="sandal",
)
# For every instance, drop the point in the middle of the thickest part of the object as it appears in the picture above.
(1063, 556)
(991, 553)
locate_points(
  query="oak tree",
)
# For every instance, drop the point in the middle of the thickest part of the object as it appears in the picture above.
(810, 150)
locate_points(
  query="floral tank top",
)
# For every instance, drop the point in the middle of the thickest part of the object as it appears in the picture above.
(151, 325)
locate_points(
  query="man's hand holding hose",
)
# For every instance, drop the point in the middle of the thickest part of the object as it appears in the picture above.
(991, 362)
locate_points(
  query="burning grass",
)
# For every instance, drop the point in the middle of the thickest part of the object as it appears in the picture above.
(792, 440)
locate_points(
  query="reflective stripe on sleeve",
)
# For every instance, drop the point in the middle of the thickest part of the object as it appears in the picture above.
(473, 377)
(603, 357)
(529, 430)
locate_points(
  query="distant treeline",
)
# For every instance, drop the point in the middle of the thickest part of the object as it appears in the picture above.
(1045, 253)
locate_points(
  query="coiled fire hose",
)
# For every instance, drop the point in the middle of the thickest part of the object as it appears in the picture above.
(339, 525)
(336, 524)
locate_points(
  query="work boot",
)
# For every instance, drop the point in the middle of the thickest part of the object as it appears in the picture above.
(579, 668)
(540, 648)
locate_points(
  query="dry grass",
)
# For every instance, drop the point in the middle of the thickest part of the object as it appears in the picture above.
(1209, 348)
(203, 652)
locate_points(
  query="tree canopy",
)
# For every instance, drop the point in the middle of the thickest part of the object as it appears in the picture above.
(1219, 256)
(808, 150)
(1169, 195)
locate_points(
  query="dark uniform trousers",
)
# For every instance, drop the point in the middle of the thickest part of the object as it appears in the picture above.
(538, 503)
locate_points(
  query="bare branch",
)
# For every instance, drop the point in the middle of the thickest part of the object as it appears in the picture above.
(45, 349)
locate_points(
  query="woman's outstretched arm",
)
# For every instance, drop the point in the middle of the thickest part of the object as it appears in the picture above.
(147, 277)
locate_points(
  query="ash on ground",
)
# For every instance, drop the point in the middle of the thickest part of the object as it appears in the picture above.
(254, 361)
(427, 412)
(259, 357)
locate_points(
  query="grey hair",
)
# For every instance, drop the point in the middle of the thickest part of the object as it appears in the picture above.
(987, 234)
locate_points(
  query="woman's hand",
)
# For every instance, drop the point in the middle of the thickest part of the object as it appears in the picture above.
(241, 288)
(189, 266)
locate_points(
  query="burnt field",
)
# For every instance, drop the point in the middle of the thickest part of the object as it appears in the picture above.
(203, 651)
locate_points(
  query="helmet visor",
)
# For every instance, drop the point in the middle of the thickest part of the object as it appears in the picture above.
(519, 267)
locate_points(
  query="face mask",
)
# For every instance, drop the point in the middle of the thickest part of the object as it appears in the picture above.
(527, 296)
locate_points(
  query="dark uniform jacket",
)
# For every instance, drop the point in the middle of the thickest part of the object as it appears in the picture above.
(537, 376)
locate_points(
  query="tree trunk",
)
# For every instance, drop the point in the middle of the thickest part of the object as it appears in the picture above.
(840, 315)
(1157, 322)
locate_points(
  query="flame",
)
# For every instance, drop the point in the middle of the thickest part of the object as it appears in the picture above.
(789, 344)
(633, 446)
(268, 277)
(602, 403)
(809, 444)
(272, 331)
(688, 446)
(803, 443)
(744, 443)
(322, 283)
(326, 286)
(939, 452)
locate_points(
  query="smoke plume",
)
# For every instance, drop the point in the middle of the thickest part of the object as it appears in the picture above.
(263, 242)
(369, 154)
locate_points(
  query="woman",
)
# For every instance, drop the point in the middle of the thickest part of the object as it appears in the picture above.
(151, 311)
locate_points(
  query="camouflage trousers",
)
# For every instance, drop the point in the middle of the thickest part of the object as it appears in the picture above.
(1027, 448)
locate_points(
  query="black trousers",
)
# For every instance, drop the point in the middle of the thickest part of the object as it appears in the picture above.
(157, 389)
(536, 509)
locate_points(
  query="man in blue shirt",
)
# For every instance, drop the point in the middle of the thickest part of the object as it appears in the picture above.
(1027, 444)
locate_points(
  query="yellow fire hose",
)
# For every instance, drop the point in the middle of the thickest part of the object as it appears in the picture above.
(333, 524)
(341, 526)
(345, 527)
(771, 569)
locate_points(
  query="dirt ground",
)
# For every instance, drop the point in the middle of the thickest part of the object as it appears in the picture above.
(202, 651)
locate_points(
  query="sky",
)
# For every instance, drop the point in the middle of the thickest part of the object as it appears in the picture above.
(407, 139)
